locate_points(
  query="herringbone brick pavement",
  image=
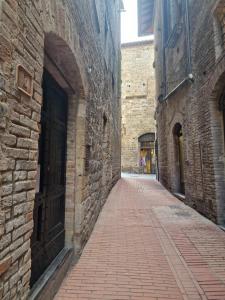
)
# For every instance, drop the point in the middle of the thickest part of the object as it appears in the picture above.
(148, 245)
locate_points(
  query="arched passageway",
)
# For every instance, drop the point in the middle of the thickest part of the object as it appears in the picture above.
(147, 153)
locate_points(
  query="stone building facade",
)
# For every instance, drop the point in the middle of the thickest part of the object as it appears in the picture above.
(138, 107)
(190, 93)
(59, 134)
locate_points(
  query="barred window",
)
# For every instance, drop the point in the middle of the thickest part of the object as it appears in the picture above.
(219, 29)
(87, 158)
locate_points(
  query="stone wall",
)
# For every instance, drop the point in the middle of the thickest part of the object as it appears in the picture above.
(195, 105)
(138, 100)
(78, 42)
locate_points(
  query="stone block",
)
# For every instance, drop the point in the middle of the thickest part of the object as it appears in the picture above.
(26, 165)
(27, 122)
(17, 153)
(27, 143)
(7, 201)
(5, 241)
(7, 177)
(21, 186)
(19, 197)
(5, 264)
(20, 175)
(9, 226)
(22, 230)
(16, 244)
(20, 251)
(7, 190)
(19, 209)
(9, 139)
(18, 130)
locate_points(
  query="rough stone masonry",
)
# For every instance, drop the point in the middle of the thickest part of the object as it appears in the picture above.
(189, 44)
(78, 44)
(138, 100)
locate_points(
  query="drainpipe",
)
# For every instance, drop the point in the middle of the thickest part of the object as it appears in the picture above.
(164, 50)
(190, 78)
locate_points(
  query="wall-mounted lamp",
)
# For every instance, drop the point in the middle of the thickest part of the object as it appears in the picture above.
(191, 77)
(89, 69)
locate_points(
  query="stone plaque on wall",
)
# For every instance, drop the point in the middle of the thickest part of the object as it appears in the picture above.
(24, 81)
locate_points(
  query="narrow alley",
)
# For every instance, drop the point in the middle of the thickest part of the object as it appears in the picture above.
(148, 245)
(90, 90)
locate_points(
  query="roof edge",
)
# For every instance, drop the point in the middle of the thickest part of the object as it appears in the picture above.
(137, 43)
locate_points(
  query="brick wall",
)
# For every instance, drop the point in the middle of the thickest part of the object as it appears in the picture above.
(138, 100)
(71, 41)
(195, 106)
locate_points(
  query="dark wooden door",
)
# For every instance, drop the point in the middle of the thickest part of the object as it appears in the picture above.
(49, 209)
(181, 161)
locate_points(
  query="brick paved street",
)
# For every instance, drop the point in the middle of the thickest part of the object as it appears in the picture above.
(148, 245)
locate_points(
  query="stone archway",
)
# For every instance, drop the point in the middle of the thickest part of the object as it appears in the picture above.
(60, 63)
(172, 150)
(146, 155)
(60, 55)
(65, 68)
(216, 90)
(106, 158)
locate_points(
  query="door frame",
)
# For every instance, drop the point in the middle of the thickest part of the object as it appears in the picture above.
(43, 233)
(150, 139)
(75, 158)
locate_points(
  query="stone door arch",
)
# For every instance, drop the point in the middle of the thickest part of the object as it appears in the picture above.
(215, 90)
(179, 158)
(147, 153)
(60, 63)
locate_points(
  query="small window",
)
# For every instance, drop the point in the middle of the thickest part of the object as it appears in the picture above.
(113, 82)
(218, 37)
(87, 158)
(104, 123)
(172, 23)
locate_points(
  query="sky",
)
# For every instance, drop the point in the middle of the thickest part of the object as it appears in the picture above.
(129, 28)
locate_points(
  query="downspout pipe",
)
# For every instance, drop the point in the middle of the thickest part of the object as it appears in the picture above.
(190, 79)
(164, 49)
